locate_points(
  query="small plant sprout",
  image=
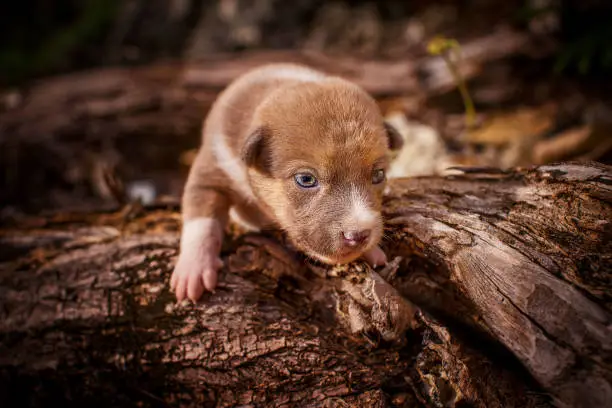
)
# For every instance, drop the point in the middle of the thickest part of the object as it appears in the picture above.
(443, 47)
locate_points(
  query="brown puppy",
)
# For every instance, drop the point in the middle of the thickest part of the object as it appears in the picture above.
(289, 147)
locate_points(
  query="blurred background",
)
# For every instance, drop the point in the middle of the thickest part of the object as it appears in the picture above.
(101, 100)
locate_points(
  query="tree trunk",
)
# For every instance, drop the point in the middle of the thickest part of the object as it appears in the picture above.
(501, 298)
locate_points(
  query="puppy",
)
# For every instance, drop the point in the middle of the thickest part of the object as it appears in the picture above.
(285, 146)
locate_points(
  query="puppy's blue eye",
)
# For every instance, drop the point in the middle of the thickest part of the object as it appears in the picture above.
(306, 180)
(378, 176)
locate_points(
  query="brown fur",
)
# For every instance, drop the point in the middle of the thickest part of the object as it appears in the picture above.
(334, 130)
(275, 127)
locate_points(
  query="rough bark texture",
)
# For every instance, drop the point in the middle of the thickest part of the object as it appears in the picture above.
(511, 273)
(531, 255)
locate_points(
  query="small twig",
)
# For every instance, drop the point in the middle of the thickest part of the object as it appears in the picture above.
(390, 270)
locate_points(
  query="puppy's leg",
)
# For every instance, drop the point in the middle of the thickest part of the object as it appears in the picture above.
(205, 214)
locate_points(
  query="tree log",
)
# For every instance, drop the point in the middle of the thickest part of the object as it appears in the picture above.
(530, 253)
(502, 298)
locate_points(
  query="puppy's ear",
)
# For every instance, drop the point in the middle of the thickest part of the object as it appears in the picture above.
(396, 141)
(254, 152)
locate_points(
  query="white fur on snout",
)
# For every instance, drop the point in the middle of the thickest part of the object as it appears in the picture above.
(362, 216)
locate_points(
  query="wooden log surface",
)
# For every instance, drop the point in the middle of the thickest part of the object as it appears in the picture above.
(532, 255)
(506, 277)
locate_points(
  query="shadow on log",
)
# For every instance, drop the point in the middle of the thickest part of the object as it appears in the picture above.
(505, 276)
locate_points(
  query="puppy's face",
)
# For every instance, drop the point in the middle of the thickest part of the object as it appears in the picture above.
(317, 159)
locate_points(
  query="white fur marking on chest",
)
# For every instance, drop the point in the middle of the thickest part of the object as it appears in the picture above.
(232, 166)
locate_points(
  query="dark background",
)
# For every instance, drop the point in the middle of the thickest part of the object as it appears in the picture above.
(568, 63)
(44, 37)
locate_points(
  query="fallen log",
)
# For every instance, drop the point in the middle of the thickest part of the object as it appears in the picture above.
(530, 254)
(501, 298)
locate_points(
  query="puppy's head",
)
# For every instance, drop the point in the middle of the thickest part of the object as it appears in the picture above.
(317, 156)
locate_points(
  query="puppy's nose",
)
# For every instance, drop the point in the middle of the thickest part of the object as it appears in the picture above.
(354, 238)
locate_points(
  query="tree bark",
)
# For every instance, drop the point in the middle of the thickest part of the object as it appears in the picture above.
(501, 298)
(529, 257)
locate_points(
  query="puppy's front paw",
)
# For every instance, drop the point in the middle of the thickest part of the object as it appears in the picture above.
(198, 262)
(194, 273)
